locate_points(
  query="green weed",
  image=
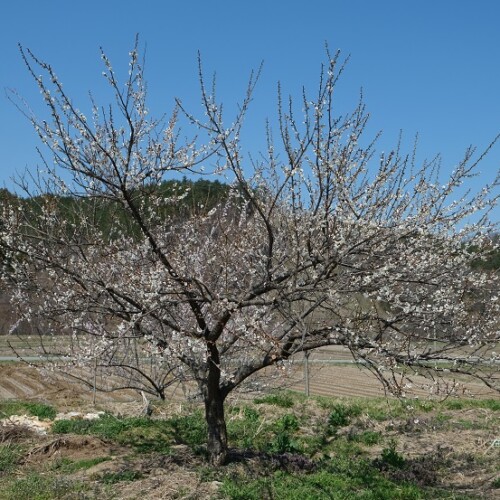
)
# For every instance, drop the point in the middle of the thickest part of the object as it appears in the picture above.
(142, 433)
(283, 442)
(459, 404)
(189, 429)
(245, 429)
(39, 487)
(391, 457)
(9, 456)
(441, 418)
(341, 415)
(116, 477)
(67, 466)
(318, 486)
(344, 447)
(281, 399)
(339, 466)
(287, 423)
(454, 404)
(107, 426)
(368, 438)
(251, 415)
(424, 405)
(40, 410)
(467, 424)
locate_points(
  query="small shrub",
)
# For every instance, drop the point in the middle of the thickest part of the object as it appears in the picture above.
(341, 414)
(287, 423)
(284, 443)
(391, 457)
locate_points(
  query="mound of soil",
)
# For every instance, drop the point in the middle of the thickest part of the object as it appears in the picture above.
(71, 447)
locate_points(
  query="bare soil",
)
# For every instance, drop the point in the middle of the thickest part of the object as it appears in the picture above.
(25, 382)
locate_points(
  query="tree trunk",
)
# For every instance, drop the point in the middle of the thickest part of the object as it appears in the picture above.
(214, 410)
(217, 433)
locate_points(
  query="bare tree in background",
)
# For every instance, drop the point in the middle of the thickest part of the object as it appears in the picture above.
(320, 242)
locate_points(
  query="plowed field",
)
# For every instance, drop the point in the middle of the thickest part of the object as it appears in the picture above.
(20, 381)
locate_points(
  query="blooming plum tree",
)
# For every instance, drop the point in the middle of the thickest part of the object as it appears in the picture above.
(320, 242)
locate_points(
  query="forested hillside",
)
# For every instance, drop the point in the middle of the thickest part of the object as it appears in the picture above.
(192, 197)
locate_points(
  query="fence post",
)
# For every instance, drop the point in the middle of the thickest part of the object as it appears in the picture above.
(94, 389)
(306, 372)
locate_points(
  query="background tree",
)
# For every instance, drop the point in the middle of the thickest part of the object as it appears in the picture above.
(320, 242)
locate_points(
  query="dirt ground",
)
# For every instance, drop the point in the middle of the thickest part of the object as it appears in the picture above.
(21, 381)
(24, 382)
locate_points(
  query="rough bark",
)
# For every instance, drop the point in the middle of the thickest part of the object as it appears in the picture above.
(214, 410)
(217, 433)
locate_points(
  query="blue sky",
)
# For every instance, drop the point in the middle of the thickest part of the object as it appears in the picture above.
(427, 66)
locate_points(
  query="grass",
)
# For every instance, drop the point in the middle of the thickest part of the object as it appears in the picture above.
(284, 399)
(341, 414)
(116, 477)
(245, 428)
(341, 467)
(39, 487)
(359, 482)
(368, 438)
(291, 447)
(461, 404)
(67, 466)
(189, 429)
(391, 457)
(41, 410)
(10, 455)
(141, 433)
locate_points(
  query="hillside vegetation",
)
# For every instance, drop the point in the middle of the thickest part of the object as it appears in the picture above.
(192, 197)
